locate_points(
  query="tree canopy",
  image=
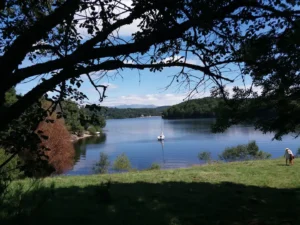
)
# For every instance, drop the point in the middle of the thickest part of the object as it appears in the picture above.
(59, 41)
(79, 118)
(196, 108)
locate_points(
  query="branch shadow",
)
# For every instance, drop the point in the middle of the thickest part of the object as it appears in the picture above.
(172, 203)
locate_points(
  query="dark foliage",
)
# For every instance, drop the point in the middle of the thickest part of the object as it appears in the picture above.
(198, 108)
(22, 140)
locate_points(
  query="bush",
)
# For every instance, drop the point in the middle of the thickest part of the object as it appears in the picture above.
(92, 130)
(249, 151)
(263, 155)
(298, 153)
(11, 169)
(98, 128)
(80, 132)
(205, 156)
(122, 163)
(103, 164)
(61, 152)
(155, 166)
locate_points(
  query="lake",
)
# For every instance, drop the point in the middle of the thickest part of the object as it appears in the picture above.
(137, 138)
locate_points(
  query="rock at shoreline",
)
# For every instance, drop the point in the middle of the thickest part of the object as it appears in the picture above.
(74, 137)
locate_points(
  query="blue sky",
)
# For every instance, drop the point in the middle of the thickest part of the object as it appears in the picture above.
(134, 87)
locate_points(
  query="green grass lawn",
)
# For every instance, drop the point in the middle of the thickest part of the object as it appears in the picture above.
(254, 192)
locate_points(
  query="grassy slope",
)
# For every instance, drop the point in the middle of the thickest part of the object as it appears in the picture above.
(260, 192)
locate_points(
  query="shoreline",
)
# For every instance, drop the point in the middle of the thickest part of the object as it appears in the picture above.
(75, 138)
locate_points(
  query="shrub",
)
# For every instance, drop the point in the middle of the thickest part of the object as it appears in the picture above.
(80, 132)
(98, 128)
(103, 164)
(205, 156)
(249, 151)
(61, 151)
(154, 166)
(92, 130)
(263, 155)
(122, 163)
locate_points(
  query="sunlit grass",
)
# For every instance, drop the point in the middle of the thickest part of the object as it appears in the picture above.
(223, 193)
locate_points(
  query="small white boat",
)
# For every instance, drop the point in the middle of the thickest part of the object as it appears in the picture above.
(161, 137)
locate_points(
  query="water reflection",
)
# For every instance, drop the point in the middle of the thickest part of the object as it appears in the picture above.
(162, 150)
(81, 145)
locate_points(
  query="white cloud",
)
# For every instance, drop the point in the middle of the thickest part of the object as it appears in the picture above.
(148, 99)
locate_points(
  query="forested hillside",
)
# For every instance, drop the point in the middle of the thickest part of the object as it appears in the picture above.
(117, 113)
(197, 108)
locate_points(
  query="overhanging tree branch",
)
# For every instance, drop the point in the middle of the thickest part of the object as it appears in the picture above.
(102, 96)
(143, 45)
(54, 49)
(10, 60)
(205, 70)
(33, 96)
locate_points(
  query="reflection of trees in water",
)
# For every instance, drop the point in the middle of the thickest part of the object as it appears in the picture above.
(80, 145)
(190, 125)
(204, 125)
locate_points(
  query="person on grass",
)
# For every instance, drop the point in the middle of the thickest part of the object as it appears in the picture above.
(289, 156)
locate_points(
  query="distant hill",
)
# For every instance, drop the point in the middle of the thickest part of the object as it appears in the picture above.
(134, 106)
(122, 113)
(196, 108)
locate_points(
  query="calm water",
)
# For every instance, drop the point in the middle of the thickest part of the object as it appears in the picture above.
(137, 138)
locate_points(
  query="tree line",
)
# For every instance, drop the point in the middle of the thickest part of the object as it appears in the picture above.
(196, 108)
(116, 113)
